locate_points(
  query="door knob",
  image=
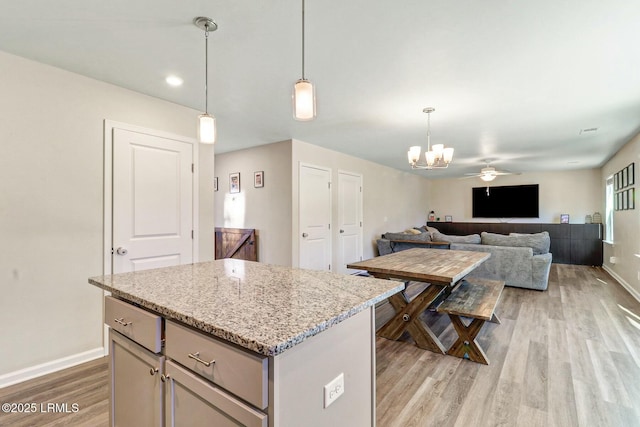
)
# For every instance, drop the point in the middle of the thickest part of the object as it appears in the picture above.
(341, 231)
(304, 235)
(121, 251)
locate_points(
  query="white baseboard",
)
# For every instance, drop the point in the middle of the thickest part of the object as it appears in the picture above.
(50, 367)
(624, 284)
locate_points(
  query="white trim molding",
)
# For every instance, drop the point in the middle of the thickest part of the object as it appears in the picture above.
(31, 372)
(624, 284)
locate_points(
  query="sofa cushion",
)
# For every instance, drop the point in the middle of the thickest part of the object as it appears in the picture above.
(471, 238)
(422, 237)
(538, 242)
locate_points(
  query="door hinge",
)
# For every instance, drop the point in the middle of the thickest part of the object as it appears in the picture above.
(329, 226)
(191, 234)
(111, 251)
(329, 185)
(193, 167)
(329, 267)
(360, 223)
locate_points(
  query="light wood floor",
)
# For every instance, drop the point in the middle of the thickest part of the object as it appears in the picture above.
(569, 356)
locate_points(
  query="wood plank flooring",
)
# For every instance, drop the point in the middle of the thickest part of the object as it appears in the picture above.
(569, 356)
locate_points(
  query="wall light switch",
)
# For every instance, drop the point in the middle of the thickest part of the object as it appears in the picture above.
(333, 390)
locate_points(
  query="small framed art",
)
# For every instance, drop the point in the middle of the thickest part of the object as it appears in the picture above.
(448, 218)
(631, 203)
(258, 179)
(631, 174)
(234, 182)
(564, 218)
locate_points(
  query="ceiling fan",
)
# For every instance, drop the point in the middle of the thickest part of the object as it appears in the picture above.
(489, 173)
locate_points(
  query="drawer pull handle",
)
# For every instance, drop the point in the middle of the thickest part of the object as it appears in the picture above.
(122, 322)
(196, 356)
(164, 378)
(153, 371)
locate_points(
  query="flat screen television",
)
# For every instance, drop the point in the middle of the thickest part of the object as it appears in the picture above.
(509, 201)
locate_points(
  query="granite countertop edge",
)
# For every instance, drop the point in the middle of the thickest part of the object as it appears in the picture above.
(250, 344)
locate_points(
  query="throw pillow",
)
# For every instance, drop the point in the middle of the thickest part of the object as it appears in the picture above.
(539, 242)
(412, 231)
(471, 238)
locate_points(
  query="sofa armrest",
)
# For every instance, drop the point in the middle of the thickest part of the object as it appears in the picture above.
(384, 247)
(541, 266)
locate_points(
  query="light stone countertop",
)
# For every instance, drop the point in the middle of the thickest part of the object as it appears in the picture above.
(264, 308)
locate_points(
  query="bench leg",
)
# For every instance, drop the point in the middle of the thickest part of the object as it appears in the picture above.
(466, 346)
(407, 318)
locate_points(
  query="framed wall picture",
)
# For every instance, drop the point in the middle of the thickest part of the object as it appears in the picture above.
(631, 178)
(234, 182)
(625, 180)
(564, 219)
(615, 202)
(618, 197)
(625, 200)
(616, 181)
(215, 184)
(632, 198)
(258, 179)
(448, 218)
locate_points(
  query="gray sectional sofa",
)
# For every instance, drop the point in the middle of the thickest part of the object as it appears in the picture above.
(521, 260)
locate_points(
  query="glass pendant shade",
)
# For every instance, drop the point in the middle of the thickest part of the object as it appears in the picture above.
(447, 154)
(438, 149)
(206, 129)
(430, 157)
(414, 153)
(304, 100)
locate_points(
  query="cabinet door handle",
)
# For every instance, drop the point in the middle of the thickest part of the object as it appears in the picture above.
(196, 356)
(164, 378)
(122, 322)
(153, 371)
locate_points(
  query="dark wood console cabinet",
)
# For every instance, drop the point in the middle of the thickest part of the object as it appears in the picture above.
(570, 243)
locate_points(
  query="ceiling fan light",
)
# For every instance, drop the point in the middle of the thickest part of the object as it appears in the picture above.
(447, 154)
(206, 129)
(304, 100)
(487, 177)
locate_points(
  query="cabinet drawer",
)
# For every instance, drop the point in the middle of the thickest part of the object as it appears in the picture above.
(192, 401)
(140, 325)
(242, 373)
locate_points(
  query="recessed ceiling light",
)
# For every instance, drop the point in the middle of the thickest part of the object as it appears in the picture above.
(174, 81)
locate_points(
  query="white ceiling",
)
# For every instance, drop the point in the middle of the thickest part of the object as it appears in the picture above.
(511, 81)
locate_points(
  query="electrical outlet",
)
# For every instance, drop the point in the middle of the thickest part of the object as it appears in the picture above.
(333, 390)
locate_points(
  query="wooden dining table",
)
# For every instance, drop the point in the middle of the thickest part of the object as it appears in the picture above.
(441, 269)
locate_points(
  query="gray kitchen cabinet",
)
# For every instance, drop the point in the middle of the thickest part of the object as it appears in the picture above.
(137, 394)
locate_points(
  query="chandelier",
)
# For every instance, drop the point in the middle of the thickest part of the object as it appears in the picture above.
(436, 156)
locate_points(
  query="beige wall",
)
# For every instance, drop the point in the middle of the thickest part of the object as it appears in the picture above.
(626, 224)
(267, 209)
(393, 200)
(51, 204)
(576, 193)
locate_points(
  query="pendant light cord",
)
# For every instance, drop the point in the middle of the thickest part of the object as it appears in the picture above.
(206, 68)
(303, 40)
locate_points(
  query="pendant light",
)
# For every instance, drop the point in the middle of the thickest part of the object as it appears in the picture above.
(304, 93)
(206, 122)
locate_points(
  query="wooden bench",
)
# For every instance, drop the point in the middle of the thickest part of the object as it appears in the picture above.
(475, 298)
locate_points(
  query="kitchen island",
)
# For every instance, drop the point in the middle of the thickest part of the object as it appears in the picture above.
(242, 343)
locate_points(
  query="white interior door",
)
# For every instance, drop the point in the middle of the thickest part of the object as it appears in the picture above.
(153, 183)
(315, 217)
(349, 220)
